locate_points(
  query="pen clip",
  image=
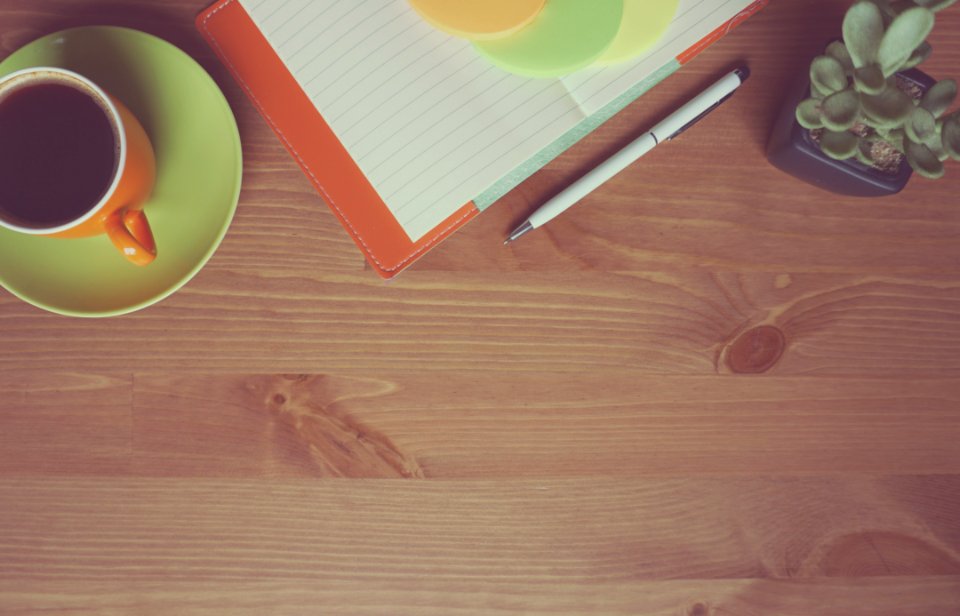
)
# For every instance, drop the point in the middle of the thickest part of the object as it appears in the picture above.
(699, 117)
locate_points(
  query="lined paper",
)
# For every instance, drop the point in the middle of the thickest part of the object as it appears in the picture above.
(429, 122)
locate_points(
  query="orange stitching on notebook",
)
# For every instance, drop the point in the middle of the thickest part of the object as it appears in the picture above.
(316, 182)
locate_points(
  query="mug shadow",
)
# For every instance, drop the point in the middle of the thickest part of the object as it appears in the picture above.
(174, 24)
(110, 65)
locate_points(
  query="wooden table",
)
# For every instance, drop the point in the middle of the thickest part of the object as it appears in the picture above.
(552, 428)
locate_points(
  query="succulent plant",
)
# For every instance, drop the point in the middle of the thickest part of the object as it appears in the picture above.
(855, 97)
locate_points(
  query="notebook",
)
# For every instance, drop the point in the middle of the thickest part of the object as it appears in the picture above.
(408, 133)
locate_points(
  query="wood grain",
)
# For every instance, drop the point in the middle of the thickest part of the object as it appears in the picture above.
(669, 322)
(405, 424)
(557, 546)
(708, 391)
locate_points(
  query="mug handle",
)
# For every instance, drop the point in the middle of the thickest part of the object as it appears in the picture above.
(130, 233)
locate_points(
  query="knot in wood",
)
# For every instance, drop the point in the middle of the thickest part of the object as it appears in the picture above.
(756, 350)
(699, 609)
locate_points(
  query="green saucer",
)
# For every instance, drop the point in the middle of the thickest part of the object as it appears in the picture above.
(199, 167)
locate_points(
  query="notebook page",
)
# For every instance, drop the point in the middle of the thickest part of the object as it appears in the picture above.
(429, 122)
(595, 88)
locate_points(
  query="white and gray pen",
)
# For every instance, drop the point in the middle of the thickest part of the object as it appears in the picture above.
(673, 125)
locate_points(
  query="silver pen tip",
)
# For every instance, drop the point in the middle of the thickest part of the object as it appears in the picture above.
(519, 232)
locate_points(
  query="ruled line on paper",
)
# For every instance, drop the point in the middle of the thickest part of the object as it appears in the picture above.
(304, 23)
(376, 129)
(332, 80)
(490, 158)
(355, 11)
(491, 140)
(405, 76)
(287, 16)
(414, 153)
(390, 138)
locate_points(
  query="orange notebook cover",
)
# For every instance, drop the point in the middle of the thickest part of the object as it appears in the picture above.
(274, 90)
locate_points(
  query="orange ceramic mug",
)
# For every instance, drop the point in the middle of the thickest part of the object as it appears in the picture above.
(74, 162)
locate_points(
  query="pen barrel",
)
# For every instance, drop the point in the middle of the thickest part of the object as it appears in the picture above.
(593, 180)
(677, 122)
(697, 107)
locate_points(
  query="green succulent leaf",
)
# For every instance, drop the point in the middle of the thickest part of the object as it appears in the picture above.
(940, 97)
(950, 137)
(841, 110)
(863, 152)
(918, 57)
(808, 114)
(815, 93)
(890, 108)
(896, 138)
(922, 126)
(838, 51)
(905, 34)
(827, 75)
(870, 79)
(936, 146)
(924, 161)
(866, 121)
(863, 32)
(839, 145)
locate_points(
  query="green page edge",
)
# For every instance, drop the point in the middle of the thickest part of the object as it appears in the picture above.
(586, 126)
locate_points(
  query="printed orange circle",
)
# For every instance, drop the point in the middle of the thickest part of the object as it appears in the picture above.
(478, 19)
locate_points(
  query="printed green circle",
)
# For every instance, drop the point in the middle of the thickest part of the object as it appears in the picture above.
(644, 23)
(567, 35)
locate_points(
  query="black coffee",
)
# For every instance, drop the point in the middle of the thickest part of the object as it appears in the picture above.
(58, 153)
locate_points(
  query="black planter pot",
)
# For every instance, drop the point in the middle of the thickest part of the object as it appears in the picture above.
(792, 150)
